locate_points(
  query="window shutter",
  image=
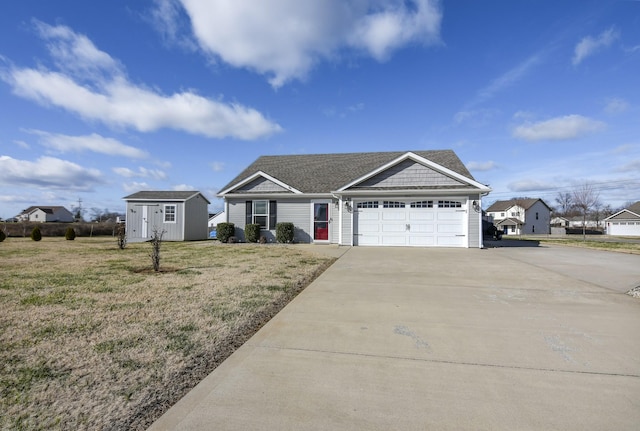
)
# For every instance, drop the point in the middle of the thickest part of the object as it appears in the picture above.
(248, 212)
(273, 214)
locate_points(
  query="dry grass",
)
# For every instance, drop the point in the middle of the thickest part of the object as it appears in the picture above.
(91, 339)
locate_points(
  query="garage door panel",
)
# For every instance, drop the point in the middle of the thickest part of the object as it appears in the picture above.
(368, 215)
(450, 215)
(393, 215)
(450, 228)
(450, 241)
(427, 215)
(423, 241)
(394, 228)
(424, 227)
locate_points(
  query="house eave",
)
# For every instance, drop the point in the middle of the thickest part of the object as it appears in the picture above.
(274, 195)
(412, 192)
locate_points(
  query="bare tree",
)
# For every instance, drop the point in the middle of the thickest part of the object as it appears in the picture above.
(565, 203)
(585, 198)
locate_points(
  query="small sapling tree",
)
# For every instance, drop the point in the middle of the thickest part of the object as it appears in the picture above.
(121, 236)
(156, 242)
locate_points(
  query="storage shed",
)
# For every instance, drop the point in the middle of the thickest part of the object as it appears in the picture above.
(182, 215)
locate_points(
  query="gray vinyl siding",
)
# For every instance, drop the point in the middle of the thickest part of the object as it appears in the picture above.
(236, 215)
(625, 215)
(347, 228)
(195, 226)
(474, 221)
(172, 231)
(409, 173)
(296, 211)
(261, 185)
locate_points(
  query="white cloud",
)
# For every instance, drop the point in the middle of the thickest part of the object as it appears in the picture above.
(48, 172)
(631, 166)
(183, 187)
(284, 39)
(134, 187)
(141, 173)
(482, 166)
(75, 53)
(616, 105)
(529, 185)
(217, 166)
(92, 142)
(476, 118)
(590, 45)
(95, 88)
(557, 129)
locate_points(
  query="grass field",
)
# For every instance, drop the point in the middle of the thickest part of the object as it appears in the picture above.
(92, 338)
(596, 242)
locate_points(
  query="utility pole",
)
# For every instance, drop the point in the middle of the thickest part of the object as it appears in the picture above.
(79, 213)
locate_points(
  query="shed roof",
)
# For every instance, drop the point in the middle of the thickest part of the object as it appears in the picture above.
(322, 173)
(164, 195)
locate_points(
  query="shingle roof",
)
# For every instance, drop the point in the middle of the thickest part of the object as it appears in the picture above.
(47, 208)
(505, 205)
(635, 208)
(159, 195)
(322, 173)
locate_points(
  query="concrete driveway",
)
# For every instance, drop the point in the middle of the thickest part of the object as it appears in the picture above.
(434, 339)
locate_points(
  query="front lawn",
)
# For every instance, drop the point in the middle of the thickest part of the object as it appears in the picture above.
(92, 338)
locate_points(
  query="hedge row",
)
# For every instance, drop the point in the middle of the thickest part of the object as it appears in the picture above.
(24, 229)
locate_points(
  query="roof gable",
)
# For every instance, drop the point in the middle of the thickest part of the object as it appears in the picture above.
(324, 173)
(499, 206)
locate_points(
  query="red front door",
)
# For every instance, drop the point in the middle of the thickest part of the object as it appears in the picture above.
(321, 221)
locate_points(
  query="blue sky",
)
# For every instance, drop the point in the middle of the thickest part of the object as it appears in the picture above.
(103, 99)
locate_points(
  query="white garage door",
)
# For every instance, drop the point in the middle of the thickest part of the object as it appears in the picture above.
(623, 228)
(436, 222)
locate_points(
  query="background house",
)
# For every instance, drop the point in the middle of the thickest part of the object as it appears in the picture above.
(625, 222)
(46, 214)
(521, 216)
(182, 215)
(421, 198)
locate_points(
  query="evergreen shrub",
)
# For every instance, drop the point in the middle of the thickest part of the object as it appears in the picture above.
(70, 234)
(284, 232)
(36, 235)
(225, 231)
(252, 232)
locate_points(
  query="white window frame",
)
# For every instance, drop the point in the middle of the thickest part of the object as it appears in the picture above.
(254, 214)
(166, 212)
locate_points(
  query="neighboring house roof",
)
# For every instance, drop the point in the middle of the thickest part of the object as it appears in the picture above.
(510, 222)
(46, 209)
(164, 195)
(498, 206)
(322, 173)
(633, 211)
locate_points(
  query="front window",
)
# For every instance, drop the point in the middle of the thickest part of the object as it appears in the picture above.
(261, 213)
(169, 213)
